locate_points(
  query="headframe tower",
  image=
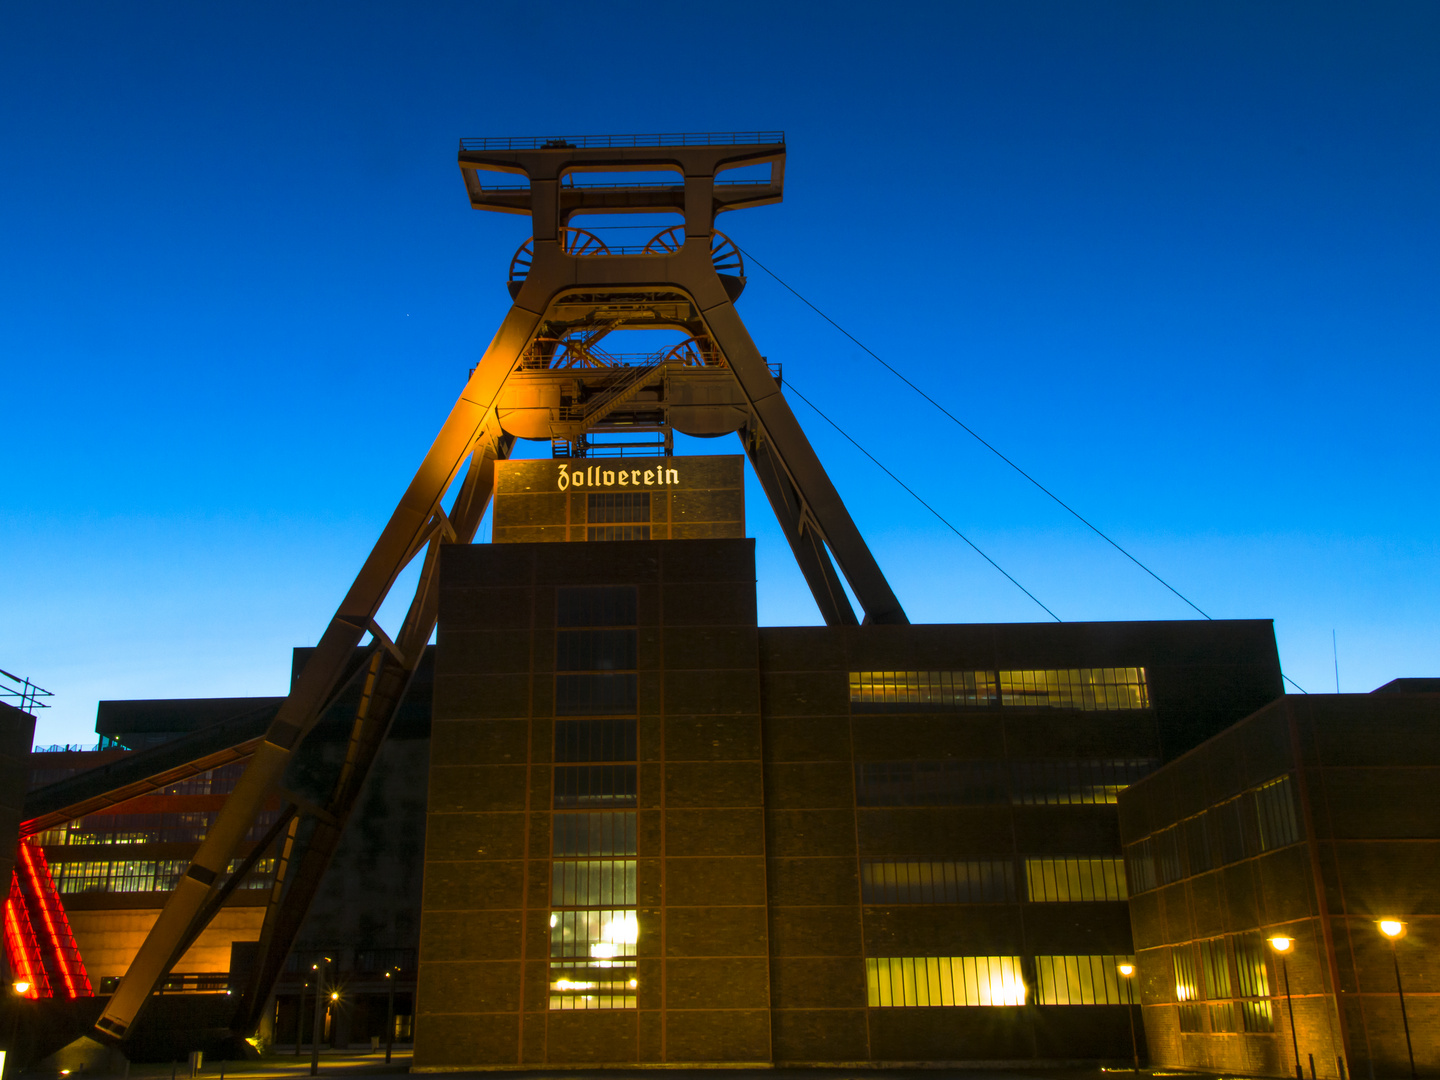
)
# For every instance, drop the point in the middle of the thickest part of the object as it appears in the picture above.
(544, 376)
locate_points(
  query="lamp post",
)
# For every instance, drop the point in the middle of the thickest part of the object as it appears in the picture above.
(300, 1018)
(1282, 946)
(390, 1013)
(1394, 930)
(319, 1015)
(1127, 972)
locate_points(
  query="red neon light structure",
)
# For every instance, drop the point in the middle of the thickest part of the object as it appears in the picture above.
(20, 944)
(59, 956)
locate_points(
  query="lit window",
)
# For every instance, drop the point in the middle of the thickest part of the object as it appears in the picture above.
(592, 959)
(1187, 987)
(1253, 980)
(968, 881)
(1090, 689)
(592, 882)
(1079, 980)
(945, 689)
(1071, 880)
(930, 981)
(1215, 967)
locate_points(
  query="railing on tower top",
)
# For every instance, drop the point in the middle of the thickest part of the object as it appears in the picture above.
(603, 142)
(24, 695)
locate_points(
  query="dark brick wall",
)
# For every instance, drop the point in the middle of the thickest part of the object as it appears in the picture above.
(703, 975)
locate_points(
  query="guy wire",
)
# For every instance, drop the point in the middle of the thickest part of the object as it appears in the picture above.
(790, 386)
(973, 433)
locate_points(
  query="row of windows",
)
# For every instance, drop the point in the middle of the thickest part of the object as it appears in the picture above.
(592, 883)
(596, 695)
(896, 982)
(981, 783)
(1088, 689)
(141, 875)
(1203, 985)
(593, 834)
(991, 881)
(610, 605)
(1259, 820)
(594, 785)
(161, 828)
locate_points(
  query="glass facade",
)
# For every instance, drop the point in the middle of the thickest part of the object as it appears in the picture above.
(1080, 980)
(895, 982)
(1074, 880)
(594, 925)
(951, 881)
(987, 782)
(1086, 689)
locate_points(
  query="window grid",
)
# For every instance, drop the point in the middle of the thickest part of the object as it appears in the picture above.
(592, 963)
(594, 785)
(1088, 689)
(1253, 979)
(592, 883)
(946, 688)
(962, 881)
(1215, 966)
(1079, 980)
(595, 740)
(617, 507)
(1187, 987)
(594, 833)
(895, 982)
(1074, 880)
(600, 649)
(1253, 822)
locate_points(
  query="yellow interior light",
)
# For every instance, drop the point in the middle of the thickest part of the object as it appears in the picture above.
(1127, 970)
(1391, 928)
(1281, 944)
(22, 986)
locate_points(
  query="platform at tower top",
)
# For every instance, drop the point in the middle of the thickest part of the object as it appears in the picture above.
(604, 142)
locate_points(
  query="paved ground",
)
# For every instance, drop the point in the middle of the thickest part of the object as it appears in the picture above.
(342, 1064)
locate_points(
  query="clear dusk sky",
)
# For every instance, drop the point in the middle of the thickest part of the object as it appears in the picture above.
(1178, 260)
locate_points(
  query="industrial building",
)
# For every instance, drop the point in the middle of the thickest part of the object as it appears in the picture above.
(1313, 825)
(609, 820)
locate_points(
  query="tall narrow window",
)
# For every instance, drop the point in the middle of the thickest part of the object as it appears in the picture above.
(1140, 866)
(594, 924)
(1253, 980)
(1187, 987)
(1275, 808)
(1215, 966)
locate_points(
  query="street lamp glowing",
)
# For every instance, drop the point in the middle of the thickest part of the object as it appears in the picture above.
(1281, 944)
(335, 995)
(22, 986)
(1126, 969)
(1393, 929)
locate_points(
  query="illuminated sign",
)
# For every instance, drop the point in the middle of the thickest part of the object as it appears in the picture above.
(601, 476)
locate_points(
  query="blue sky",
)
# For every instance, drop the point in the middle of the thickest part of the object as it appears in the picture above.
(1180, 261)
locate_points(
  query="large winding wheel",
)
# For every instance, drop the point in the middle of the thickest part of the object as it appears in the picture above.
(724, 255)
(573, 242)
